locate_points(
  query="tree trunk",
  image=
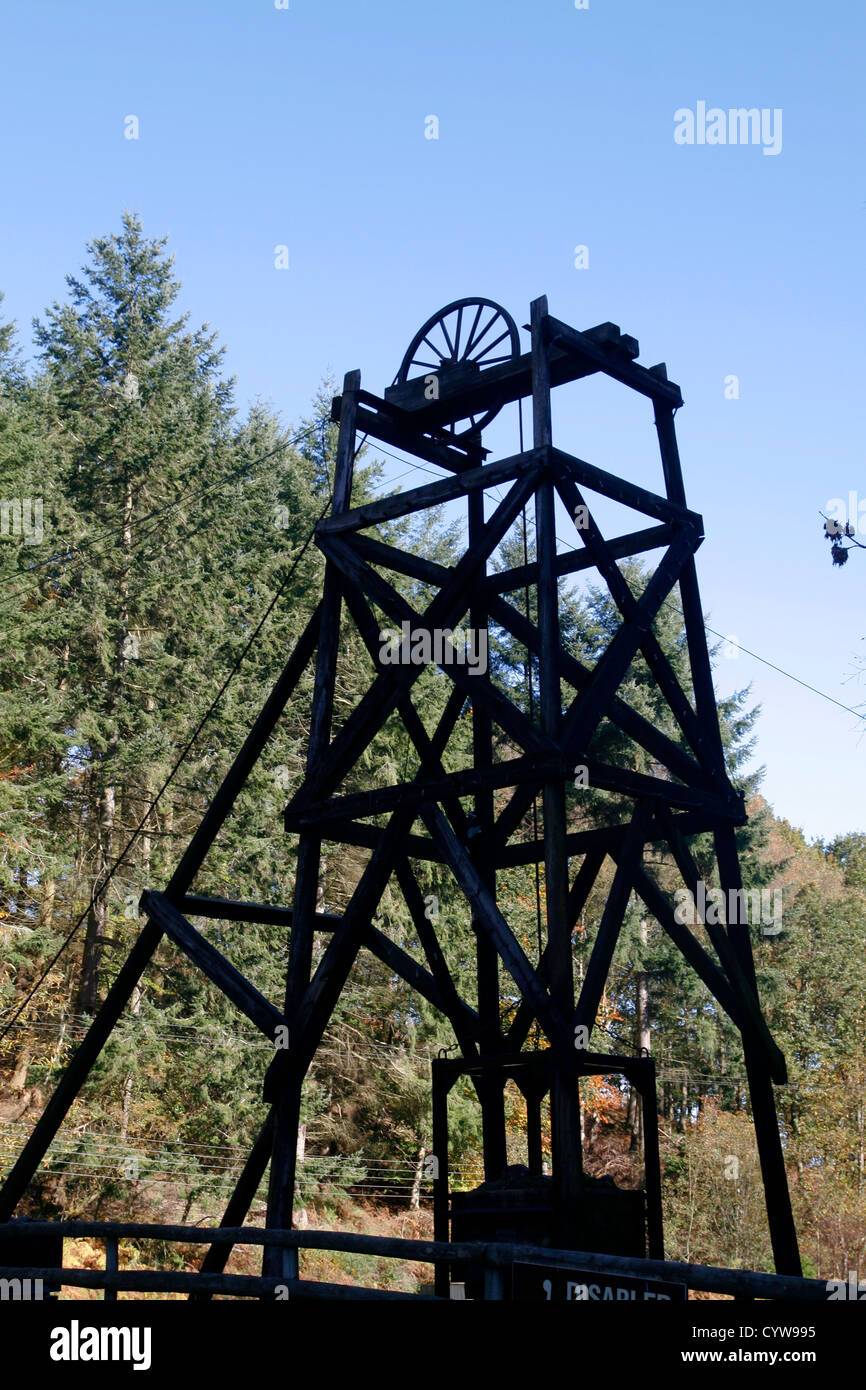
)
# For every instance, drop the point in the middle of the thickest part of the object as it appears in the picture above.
(135, 1009)
(300, 1218)
(643, 1037)
(415, 1199)
(97, 916)
(49, 897)
(19, 1071)
(88, 986)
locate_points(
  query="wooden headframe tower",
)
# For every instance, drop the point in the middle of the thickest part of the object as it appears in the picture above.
(463, 366)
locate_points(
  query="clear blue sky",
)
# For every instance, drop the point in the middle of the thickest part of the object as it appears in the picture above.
(305, 127)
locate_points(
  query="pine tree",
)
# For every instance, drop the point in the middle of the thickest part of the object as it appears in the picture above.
(142, 420)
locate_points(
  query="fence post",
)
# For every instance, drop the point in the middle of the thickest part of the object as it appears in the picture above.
(494, 1277)
(112, 1265)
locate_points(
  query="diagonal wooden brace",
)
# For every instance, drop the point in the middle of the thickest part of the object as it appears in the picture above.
(202, 953)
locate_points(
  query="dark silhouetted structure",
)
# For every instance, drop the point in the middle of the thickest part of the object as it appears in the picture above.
(462, 367)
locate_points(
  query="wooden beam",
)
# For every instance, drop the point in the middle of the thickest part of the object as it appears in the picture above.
(565, 1135)
(375, 552)
(580, 891)
(476, 686)
(381, 800)
(702, 963)
(511, 953)
(628, 720)
(572, 562)
(580, 841)
(429, 572)
(744, 987)
(429, 750)
(430, 495)
(627, 864)
(323, 991)
(629, 494)
(504, 581)
(253, 746)
(780, 1217)
(229, 910)
(637, 784)
(365, 836)
(693, 617)
(441, 1222)
(213, 964)
(592, 704)
(375, 941)
(422, 848)
(382, 698)
(77, 1071)
(402, 964)
(732, 1282)
(613, 364)
(656, 659)
(287, 1102)
(383, 425)
(652, 1166)
(466, 1030)
(603, 349)
(490, 1088)
(327, 983)
(243, 1195)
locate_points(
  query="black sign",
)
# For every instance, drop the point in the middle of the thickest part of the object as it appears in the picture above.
(559, 1284)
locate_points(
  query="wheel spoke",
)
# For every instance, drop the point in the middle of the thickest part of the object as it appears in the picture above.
(445, 338)
(491, 346)
(457, 334)
(485, 330)
(451, 352)
(437, 352)
(433, 366)
(478, 312)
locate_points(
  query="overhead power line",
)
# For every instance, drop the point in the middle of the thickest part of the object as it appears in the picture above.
(805, 684)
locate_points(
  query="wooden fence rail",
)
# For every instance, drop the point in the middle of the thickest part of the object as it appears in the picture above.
(495, 1259)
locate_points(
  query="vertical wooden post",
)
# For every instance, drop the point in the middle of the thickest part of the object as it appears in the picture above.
(287, 1107)
(494, 1283)
(534, 1156)
(235, 1214)
(651, 1163)
(780, 1217)
(441, 1223)
(783, 1234)
(693, 617)
(565, 1123)
(112, 1264)
(491, 1088)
